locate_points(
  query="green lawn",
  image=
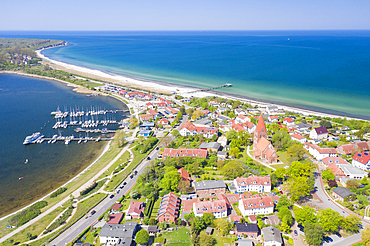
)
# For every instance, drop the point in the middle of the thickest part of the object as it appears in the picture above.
(84, 206)
(181, 237)
(156, 208)
(283, 156)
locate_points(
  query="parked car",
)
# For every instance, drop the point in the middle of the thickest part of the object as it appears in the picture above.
(111, 196)
(124, 183)
(92, 212)
(295, 233)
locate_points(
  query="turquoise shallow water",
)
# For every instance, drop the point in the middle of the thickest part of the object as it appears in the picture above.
(25, 106)
(319, 70)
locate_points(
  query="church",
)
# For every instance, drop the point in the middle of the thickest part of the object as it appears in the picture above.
(262, 148)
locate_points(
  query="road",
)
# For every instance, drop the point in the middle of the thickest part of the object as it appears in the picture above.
(75, 230)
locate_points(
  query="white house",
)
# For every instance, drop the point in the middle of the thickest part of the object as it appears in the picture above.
(189, 128)
(222, 140)
(320, 153)
(115, 234)
(242, 119)
(362, 161)
(289, 122)
(253, 183)
(272, 236)
(319, 133)
(352, 172)
(216, 207)
(255, 206)
(299, 138)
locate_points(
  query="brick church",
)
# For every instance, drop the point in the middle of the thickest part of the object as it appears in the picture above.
(262, 148)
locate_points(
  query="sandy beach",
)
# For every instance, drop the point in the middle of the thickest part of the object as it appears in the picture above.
(163, 87)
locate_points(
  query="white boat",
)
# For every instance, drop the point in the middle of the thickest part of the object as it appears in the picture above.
(33, 138)
(26, 161)
(79, 141)
(54, 140)
(67, 141)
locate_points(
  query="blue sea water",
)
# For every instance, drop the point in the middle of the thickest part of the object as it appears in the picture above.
(326, 71)
(25, 106)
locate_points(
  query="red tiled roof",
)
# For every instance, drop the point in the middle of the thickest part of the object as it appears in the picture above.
(136, 207)
(169, 152)
(363, 157)
(210, 206)
(253, 180)
(297, 136)
(115, 218)
(152, 112)
(336, 160)
(237, 127)
(172, 110)
(116, 206)
(184, 174)
(289, 120)
(262, 144)
(259, 202)
(199, 129)
(170, 203)
(187, 205)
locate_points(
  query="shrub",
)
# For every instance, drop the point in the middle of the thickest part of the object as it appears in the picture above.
(58, 192)
(39, 205)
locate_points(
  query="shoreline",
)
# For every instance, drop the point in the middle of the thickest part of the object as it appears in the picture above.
(161, 86)
(77, 89)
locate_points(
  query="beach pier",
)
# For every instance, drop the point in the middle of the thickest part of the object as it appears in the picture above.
(212, 88)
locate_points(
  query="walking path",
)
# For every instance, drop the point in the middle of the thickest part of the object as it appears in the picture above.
(74, 194)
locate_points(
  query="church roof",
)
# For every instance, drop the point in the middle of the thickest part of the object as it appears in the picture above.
(261, 124)
(262, 144)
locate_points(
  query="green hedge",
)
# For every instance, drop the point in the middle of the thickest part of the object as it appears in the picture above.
(58, 192)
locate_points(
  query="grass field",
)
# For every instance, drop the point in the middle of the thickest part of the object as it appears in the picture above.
(83, 206)
(181, 237)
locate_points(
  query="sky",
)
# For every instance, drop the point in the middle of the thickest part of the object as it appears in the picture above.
(184, 15)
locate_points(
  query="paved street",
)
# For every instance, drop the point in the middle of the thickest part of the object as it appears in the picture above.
(75, 230)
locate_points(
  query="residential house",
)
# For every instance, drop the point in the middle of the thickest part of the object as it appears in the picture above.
(244, 242)
(352, 172)
(249, 127)
(115, 208)
(220, 110)
(184, 175)
(203, 122)
(319, 133)
(118, 234)
(164, 122)
(362, 161)
(149, 105)
(222, 155)
(242, 118)
(273, 110)
(303, 128)
(171, 111)
(256, 205)
(239, 111)
(190, 129)
(272, 236)
(169, 152)
(262, 148)
(115, 218)
(337, 160)
(145, 133)
(299, 138)
(247, 229)
(348, 149)
(169, 208)
(213, 146)
(320, 153)
(273, 118)
(343, 194)
(253, 183)
(146, 117)
(135, 210)
(216, 207)
(209, 187)
(253, 111)
(289, 122)
(222, 140)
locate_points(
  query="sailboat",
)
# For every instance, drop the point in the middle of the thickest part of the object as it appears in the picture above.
(26, 161)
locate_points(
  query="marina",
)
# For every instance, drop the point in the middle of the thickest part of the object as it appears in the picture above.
(68, 139)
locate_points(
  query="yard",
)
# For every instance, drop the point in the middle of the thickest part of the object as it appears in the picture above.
(181, 237)
(156, 208)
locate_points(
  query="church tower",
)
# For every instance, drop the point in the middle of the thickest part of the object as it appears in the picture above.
(259, 132)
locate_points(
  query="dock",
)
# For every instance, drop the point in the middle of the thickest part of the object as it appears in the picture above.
(212, 88)
(95, 130)
(68, 139)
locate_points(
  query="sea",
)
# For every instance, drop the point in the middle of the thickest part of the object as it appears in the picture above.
(325, 71)
(25, 107)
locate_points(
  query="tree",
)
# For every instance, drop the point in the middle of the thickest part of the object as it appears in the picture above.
(329, 219)
(231, 115)
(350, 224)
(197, 114)
(189, 112)
(352, 184)
(170, 179)
(235, 152)
(206, 240)
(184, 187)
(365, 235)
(106, 217)
(208, 218)
(285, 227)
(314, 233)
(152, 221)
(232, 170)
(281, 140)
(281, 173)
(11, 241)
(224, 226)
(299, 187)
(121, 138)
(198, 223)
(142, 237)
(28, 235)
(300, 169)
(332, 183)
(182, 110)
(296, 152)
(326, 124)
(175, 133)
(305, 215)
(285, 215)
(163, 225)
(328, 174)
(232, 134)
(283, 202)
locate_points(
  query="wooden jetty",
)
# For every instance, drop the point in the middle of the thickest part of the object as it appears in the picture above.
(212, 88)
